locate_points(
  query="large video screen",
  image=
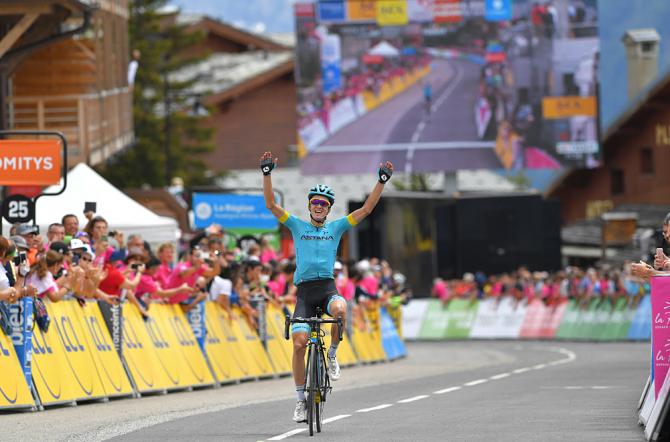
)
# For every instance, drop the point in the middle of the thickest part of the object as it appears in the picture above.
(438, 85)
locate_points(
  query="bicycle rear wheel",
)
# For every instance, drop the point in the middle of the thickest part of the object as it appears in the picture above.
(312, 388)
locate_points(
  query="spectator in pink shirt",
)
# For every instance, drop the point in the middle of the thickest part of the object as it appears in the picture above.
(267, 252)
(166, 256)
(187, 273)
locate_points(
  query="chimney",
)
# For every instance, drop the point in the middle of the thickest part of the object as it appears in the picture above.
(642, 54)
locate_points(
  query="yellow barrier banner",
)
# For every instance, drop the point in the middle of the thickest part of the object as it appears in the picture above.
(78, 355)
(361, 344)
(219, 351)
(373, 316)
(238, 350)
(111, 371)
(179, 335)
(276, 348)
(277, 317)
(14, 391)
(252, 344)
(52, 377)
(345, 353)
(140, 354)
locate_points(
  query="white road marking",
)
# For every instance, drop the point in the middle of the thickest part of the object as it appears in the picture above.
(412, 399)
(477, 382)
(378, 407)
(335, 418)
(500, 376)
(447, 390)
(288, 434)
(521, 370)
(539, 366)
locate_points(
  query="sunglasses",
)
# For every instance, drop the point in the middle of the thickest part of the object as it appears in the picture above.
(85, 259)
(318, 202)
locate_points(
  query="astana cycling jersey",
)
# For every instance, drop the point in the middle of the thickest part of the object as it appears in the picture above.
(315, 247)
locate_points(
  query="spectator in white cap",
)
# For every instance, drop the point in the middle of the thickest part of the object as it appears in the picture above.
(29, 234)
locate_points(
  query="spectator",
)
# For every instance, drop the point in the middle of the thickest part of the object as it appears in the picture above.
(133, 66)
(187, 273)
(267, 253)
(135, 245)
(9, 292)
(29, 235)
(220, 291)
(117, 278)
(70, 224)
(41, 276)
(55, 232)
(148, 288)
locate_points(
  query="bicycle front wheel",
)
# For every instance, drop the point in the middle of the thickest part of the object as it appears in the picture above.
(312, 388)
(320, 370)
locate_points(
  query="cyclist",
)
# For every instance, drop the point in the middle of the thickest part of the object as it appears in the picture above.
(316, 245)
(427, 96)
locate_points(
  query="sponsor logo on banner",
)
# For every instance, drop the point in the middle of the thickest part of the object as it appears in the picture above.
(447, 11)
(361, 10)
(21, 320)
(331, 61)
(304, 10)
(576, 147)
(419, 11)
(498, 10)
(232, 211)
(566, 107)
(196, 318)
(24, 162)
(392, 12)
(660, 312)
(332, 11)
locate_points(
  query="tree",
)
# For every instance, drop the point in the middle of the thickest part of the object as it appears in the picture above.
(169, 139)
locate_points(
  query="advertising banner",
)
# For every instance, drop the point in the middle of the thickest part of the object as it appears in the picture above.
(393, 345)
(232, 211)
(21, 320)
(106, 359)
(640, 326)
(14, 391)
(435, 320)
(462, 314)
(660, 332)
(196, 319)
(30, 162)
(220, 354)
(412, 317)
(478, 78)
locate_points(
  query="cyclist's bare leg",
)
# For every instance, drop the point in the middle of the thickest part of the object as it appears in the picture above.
(299, 347)
(338, 309)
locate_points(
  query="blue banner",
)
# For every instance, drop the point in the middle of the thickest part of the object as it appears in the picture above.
(393, 345)
(332, 77)
(498, 10)
(332, 10)
(196, 318)
(640, 327)
(232, 211)
(21, 318)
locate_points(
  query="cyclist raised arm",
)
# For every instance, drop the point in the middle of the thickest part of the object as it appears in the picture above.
(316, 245)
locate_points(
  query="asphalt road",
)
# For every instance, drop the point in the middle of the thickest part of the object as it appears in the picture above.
(456, 391)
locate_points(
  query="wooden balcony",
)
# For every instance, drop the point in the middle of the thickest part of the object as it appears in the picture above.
(96, 125)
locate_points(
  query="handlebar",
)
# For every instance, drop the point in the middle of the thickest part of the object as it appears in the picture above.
(310, 321)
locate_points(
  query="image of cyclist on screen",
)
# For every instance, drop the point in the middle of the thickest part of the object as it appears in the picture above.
(316, 243)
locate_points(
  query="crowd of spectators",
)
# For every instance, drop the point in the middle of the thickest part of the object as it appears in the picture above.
(92, 262)
(607, 285)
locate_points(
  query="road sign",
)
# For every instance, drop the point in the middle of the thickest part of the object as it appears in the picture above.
(18, 209)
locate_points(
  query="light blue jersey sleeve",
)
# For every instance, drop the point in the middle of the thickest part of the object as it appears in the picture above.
(341, 225)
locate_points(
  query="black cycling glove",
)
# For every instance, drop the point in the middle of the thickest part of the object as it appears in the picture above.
(384, 174)
(267, 165)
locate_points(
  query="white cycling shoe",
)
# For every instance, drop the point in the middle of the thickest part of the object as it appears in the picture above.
(300, 413)
(333, 369)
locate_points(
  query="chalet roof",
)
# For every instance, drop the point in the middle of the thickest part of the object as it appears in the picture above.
(230, 32)
(226, 74)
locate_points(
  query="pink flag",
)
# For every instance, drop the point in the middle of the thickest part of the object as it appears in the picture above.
(660, 328)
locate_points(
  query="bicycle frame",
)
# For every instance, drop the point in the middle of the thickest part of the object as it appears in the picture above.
(315, 366)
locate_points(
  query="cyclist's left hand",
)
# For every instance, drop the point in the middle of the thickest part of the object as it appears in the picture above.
(385, 172)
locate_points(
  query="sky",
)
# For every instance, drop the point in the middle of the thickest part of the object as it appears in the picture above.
(271, 16)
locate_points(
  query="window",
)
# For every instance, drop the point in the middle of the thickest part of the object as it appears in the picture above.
(617, 183)
(647, 46)
(647, 160)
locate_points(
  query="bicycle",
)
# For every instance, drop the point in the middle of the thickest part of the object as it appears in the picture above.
(317, 382)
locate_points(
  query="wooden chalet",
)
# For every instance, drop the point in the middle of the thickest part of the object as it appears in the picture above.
(63, 67)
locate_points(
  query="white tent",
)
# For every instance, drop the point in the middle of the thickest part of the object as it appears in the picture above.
(384, 49)
(121, 212)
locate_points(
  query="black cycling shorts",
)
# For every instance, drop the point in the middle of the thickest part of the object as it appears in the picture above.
(313, 294)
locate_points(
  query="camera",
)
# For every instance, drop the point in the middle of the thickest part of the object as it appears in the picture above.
(135, 266)
(18, 259)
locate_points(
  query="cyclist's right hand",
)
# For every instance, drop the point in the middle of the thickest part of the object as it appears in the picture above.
(267, 164)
